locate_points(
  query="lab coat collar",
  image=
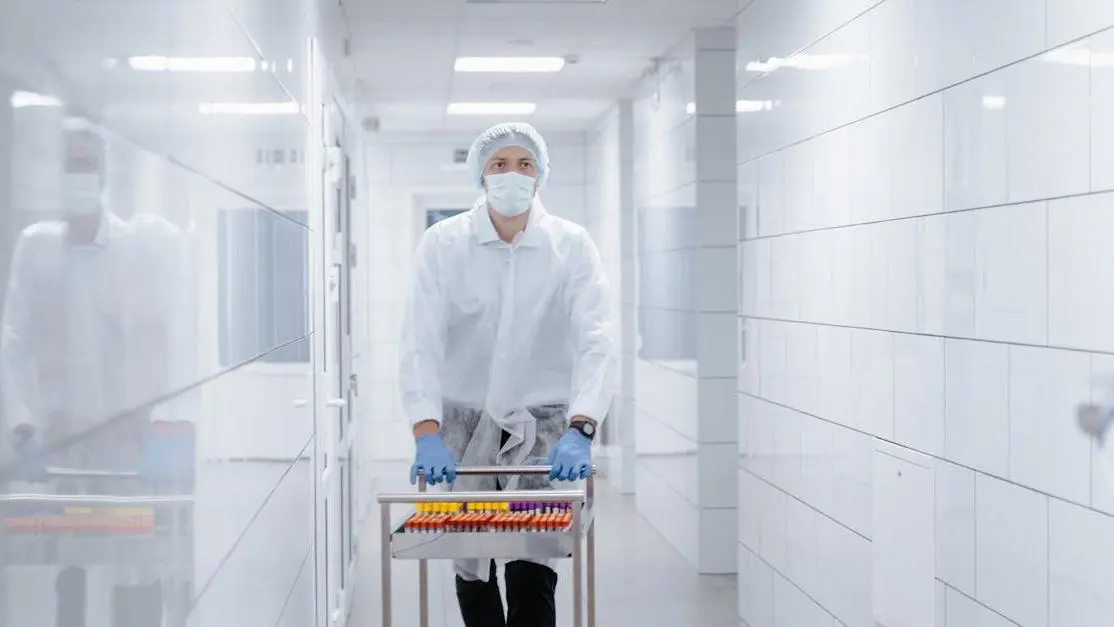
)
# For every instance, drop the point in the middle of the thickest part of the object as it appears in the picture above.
(485, 231)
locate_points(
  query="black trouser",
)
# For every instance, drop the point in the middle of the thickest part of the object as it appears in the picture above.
(531, 595)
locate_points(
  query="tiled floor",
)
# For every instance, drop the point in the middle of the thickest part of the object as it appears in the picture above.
(641, 580)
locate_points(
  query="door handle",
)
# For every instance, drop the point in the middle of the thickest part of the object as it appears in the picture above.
(300, 402)
(336, 402)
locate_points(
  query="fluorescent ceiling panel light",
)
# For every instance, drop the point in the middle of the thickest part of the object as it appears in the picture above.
(491, 108)
(764, 66)
(249, 108)
(741, 106)
(22, 99)
(804, 61)
(192, 64)
(753, 106)
(994, 103)
(509, 64)
(1080, 56)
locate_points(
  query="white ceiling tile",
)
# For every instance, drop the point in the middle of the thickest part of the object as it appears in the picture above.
(405, 50)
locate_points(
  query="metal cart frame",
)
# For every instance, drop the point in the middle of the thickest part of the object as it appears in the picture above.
(176, 607)
(577, 543)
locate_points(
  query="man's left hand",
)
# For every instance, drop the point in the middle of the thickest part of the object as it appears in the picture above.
(170, 454)
(571, 458)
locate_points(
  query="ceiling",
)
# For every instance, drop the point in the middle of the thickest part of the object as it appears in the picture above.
(402, 54)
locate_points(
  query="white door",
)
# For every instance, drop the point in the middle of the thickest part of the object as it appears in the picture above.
(336, 429)
(346, 385)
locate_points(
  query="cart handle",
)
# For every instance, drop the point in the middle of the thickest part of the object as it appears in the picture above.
(540, 469)
(521, 496)
(96, 499)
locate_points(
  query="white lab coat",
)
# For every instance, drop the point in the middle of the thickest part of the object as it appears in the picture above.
(506, 329)
(92, 332)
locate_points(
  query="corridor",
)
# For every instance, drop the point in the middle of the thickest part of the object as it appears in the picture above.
(822, 287)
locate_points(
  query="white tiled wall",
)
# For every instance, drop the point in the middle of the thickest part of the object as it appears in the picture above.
(609, 217)
(926, 208)
(665, 390)
(685, 399)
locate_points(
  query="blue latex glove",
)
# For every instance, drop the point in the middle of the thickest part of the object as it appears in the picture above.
(30, 461)
(571, 458)
(170, 455)
(434, 460)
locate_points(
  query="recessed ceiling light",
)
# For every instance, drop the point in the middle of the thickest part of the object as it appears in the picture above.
(804, 61)
(1084, 57)
(249, 108)
(509, 64)
(22, 99)
(753, 106)
(741, 106)
(192, 64)
(994, 103)
(491, 108)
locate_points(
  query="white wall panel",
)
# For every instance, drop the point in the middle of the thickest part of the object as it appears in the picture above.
(926, 268)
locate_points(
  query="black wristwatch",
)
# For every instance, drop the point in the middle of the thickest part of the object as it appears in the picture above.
(586, 429)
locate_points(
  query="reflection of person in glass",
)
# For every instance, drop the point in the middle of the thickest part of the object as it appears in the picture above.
(1097, 421)
(87, 345)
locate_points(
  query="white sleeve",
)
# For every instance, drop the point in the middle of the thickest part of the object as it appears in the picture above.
(17, 344)
(595, 369)
(422, 349)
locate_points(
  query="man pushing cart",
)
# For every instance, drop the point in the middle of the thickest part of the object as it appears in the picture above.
(508, 361)
(96, 434)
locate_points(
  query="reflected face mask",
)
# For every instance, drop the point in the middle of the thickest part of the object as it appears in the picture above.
(510, 193)
(81, 194)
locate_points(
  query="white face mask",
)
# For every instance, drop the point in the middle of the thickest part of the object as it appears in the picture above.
(81, 194)
(510, 193)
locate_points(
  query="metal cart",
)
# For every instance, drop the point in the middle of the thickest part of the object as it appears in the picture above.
(144, 533)
(578, 542)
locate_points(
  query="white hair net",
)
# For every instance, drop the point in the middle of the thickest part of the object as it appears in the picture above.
(499, 137)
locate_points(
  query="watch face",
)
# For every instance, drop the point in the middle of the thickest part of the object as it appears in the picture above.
(587, 428)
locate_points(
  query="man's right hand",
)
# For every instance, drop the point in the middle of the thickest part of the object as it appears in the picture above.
(432, 458)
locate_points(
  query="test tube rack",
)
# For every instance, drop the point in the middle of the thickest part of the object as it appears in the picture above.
(535, 525)
(497, 517)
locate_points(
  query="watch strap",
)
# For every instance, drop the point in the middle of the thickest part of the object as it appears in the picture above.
(585, 428)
